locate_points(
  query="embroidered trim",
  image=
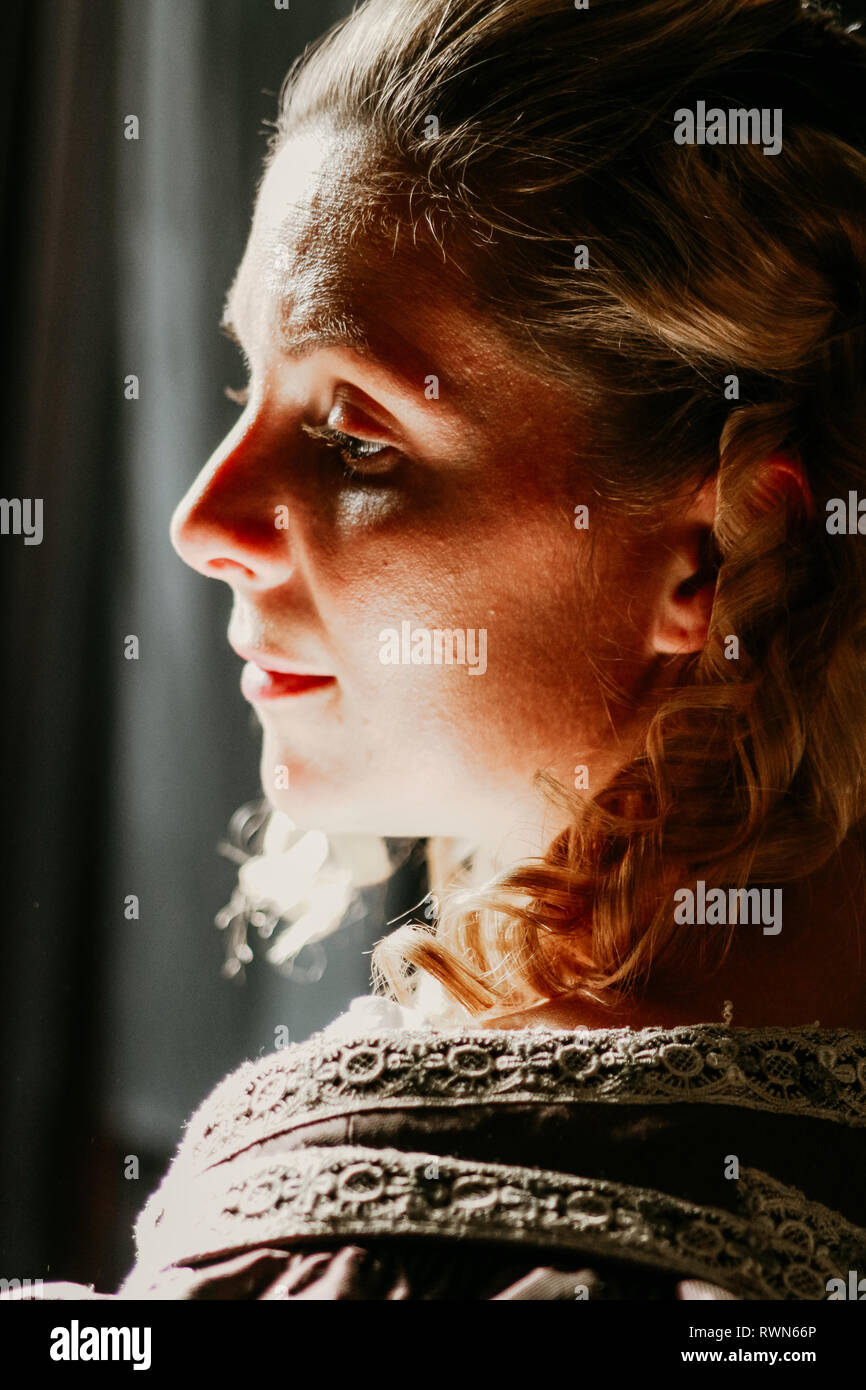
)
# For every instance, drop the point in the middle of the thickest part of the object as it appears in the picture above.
(814, 1072)
(778, 1245)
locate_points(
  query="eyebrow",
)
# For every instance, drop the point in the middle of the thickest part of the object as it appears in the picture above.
(303, 344)
(320, 334)
(323, 332)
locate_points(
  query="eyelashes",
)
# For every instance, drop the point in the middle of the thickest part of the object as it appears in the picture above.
(363, 459)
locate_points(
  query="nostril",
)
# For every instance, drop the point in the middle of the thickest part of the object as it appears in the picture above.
(222, 564)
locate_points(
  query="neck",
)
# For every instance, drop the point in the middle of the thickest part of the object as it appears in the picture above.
(813, 971)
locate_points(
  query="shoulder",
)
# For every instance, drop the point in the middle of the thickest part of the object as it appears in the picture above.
(378, 1052)
(355, 1065)
(366, 1043)
(223, 1193)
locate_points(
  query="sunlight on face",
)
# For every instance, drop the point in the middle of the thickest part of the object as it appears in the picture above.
(395, 510)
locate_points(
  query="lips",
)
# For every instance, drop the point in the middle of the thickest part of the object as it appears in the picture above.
(271, 676)
(259, 683)
(275, 661)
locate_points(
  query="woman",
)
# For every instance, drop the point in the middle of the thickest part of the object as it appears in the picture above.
(542, 525)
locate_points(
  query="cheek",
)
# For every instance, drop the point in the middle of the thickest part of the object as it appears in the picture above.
(451, 556)
(515, 581)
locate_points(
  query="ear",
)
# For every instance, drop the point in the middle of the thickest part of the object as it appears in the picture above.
(782, 479)
(689, 579)
(689, 583)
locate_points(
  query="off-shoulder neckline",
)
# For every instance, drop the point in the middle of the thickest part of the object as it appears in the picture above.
(369, 1013)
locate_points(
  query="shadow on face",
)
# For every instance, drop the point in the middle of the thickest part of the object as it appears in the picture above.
(396, 509)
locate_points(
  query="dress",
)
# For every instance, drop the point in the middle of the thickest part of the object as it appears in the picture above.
(400, 1160)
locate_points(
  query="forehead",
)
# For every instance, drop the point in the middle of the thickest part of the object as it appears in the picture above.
(303, 259)
(324, 266)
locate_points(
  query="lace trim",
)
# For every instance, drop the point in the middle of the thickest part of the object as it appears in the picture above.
(777, 1245)
(814, 1072)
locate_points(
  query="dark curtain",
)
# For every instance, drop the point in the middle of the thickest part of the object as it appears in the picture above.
(120, 776)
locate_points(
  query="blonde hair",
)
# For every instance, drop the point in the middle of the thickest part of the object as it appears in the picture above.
(555, 126)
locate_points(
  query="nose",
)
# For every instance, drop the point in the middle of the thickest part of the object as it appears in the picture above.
(231, 524)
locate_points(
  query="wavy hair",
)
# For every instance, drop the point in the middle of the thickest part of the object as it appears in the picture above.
(555, 126)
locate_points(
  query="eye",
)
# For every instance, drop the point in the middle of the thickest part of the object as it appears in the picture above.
(363, 458)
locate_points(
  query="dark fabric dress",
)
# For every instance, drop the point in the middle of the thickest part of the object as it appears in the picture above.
(695, 1162)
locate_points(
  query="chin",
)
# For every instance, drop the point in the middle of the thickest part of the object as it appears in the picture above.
(313, 798)
(326, 797)
(320, 807)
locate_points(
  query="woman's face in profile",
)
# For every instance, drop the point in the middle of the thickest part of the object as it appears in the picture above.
(449, 508)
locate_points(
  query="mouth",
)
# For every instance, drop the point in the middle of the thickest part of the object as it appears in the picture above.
(267, 676)
(260, 684)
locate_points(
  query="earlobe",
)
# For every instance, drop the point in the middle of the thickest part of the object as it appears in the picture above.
(684, 625)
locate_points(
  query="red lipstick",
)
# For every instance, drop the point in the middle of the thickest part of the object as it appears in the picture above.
(257, 683)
